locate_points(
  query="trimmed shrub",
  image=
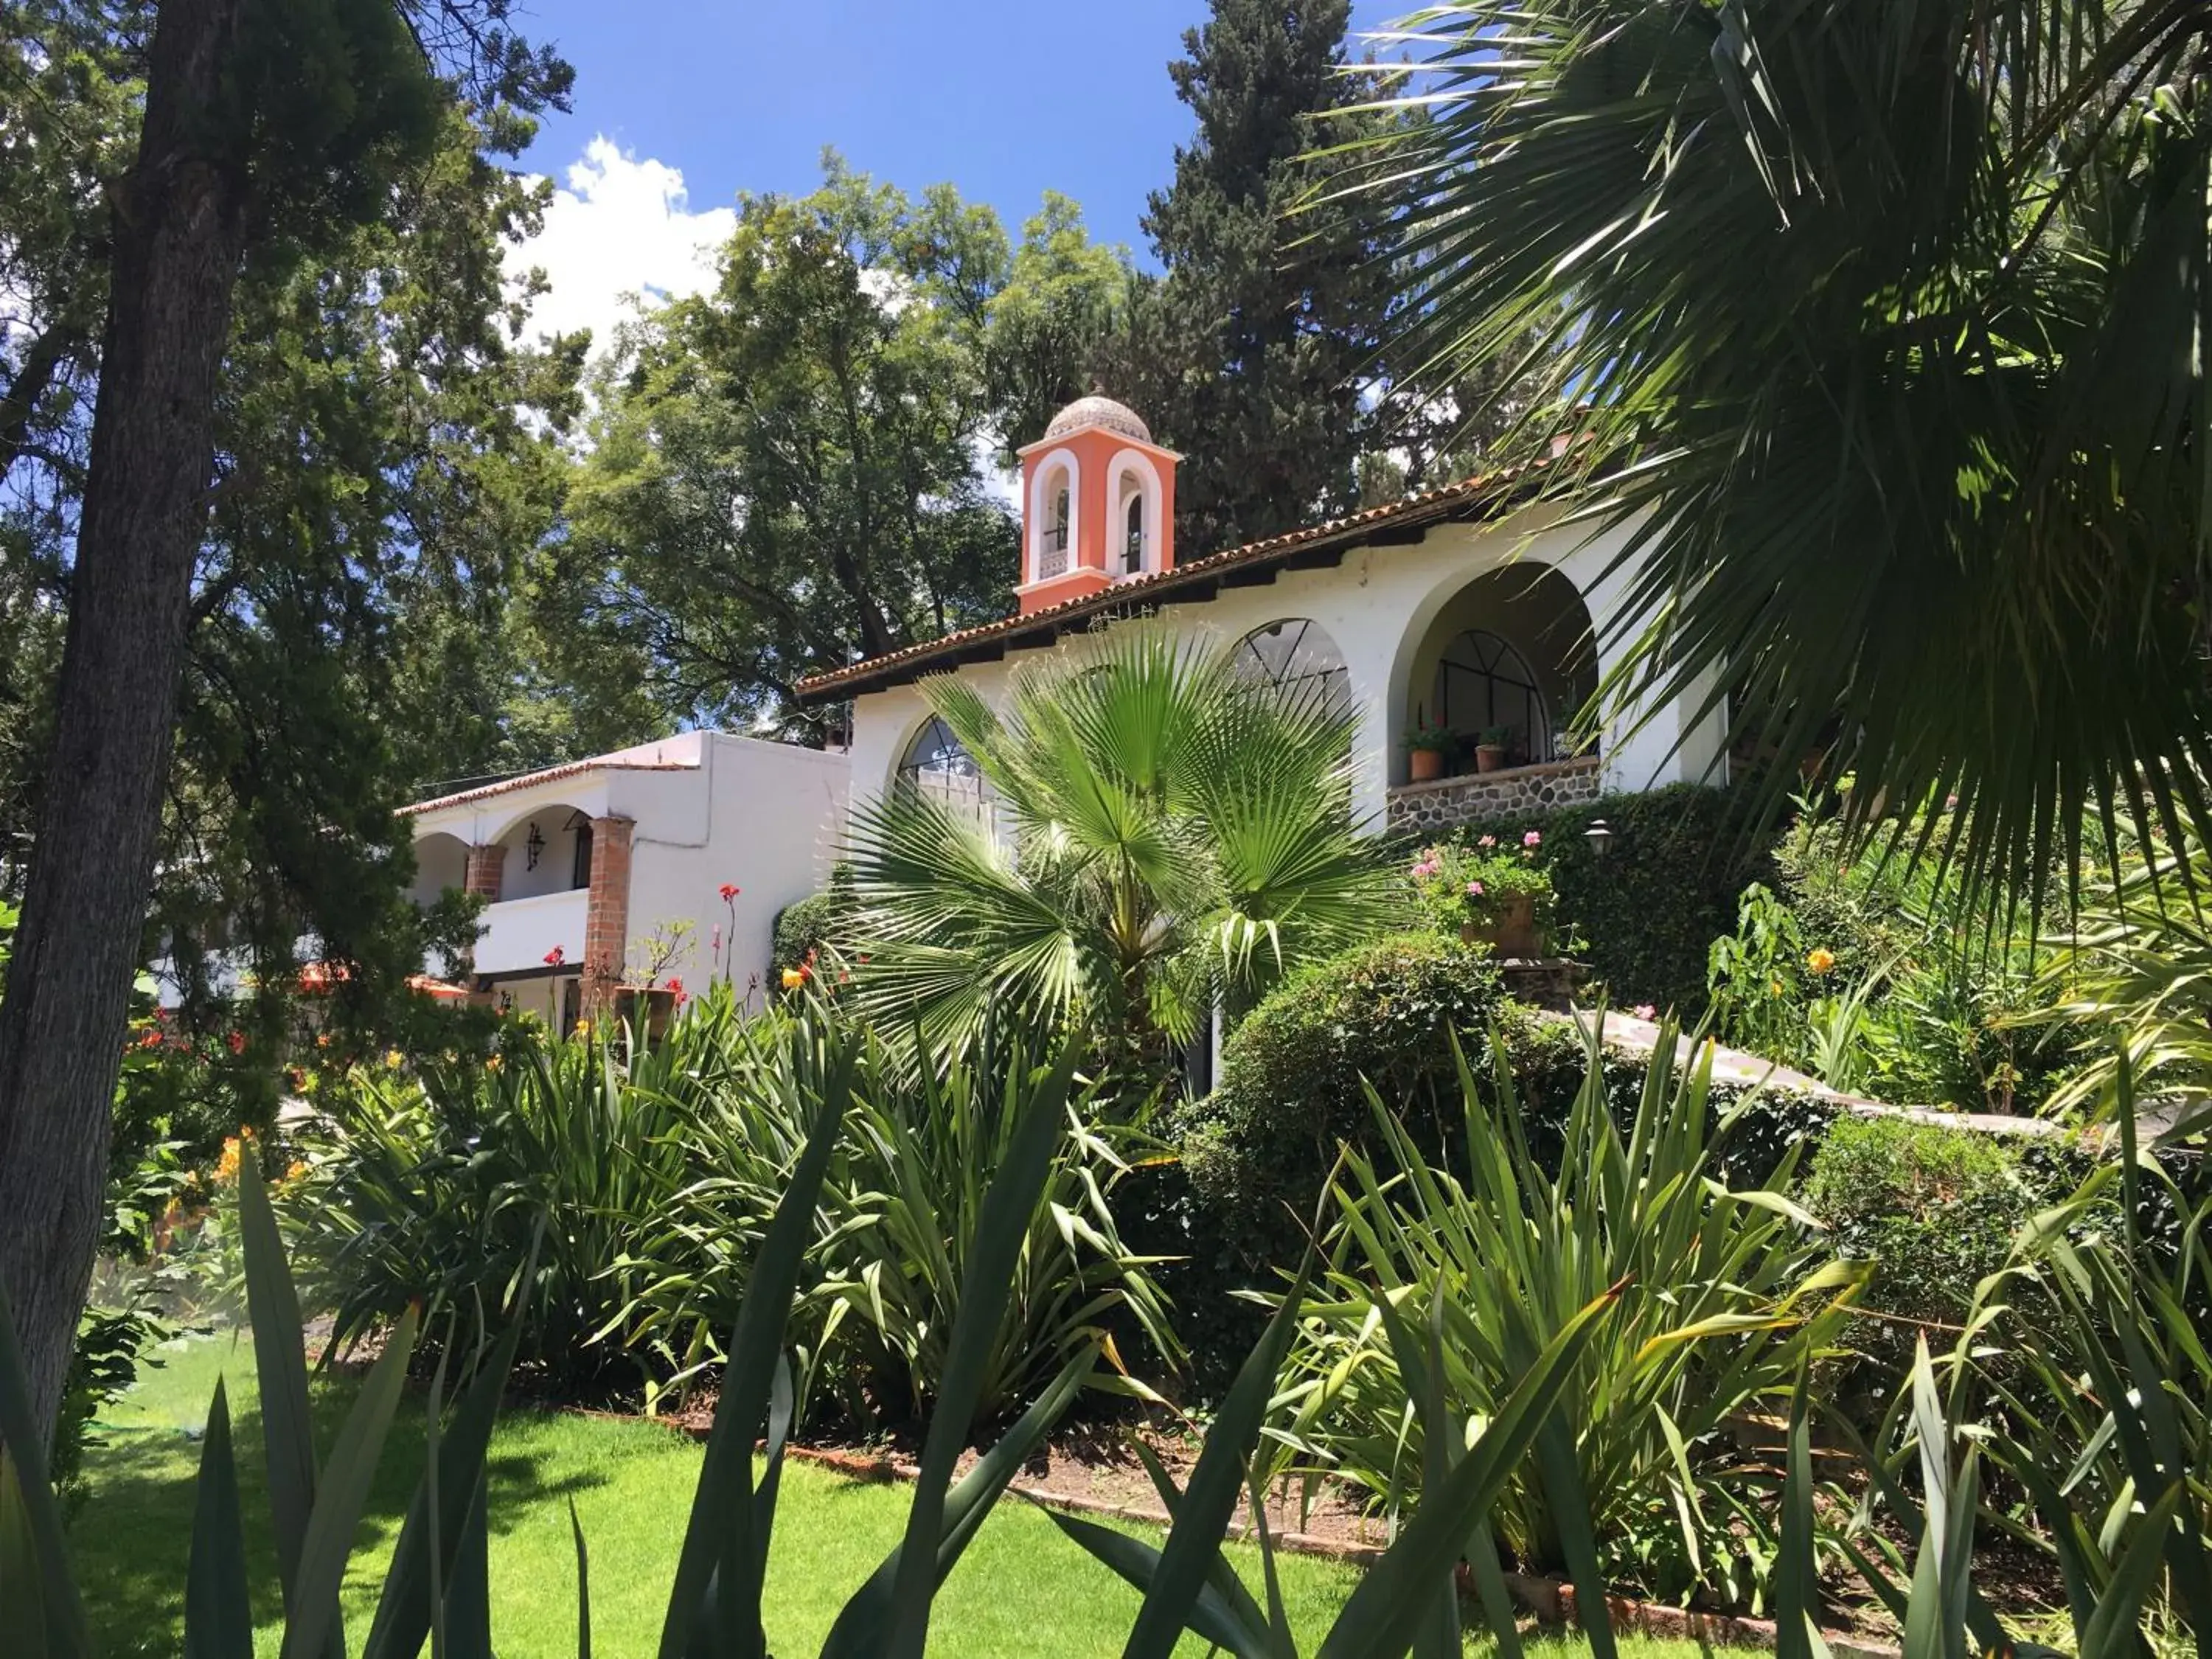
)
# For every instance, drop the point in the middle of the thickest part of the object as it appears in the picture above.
(1648, 912)
(1233, 1209)
(1259, 1147)
(812, 924)
(1936, 1210)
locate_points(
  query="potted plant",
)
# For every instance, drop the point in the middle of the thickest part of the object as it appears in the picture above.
(1489, 893)
(651, 992)
(1489, 748)
(1426, 748)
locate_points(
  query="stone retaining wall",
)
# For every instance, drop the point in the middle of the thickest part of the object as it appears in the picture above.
(1477, 796)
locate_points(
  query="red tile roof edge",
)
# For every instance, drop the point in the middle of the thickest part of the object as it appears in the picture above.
(550, 774)
(900, 663)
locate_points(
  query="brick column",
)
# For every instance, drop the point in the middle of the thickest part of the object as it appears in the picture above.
(487, 864)
(606, 914)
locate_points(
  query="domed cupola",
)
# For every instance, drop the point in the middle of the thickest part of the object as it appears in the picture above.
(1097, 504)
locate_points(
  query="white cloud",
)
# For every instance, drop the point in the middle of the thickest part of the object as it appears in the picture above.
(621, 232)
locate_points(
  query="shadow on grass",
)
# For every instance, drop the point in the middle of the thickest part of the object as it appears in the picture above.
(131, 1539)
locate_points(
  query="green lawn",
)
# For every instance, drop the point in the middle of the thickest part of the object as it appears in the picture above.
(1022, 1589)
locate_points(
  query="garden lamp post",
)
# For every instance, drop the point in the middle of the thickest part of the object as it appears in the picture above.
(1600, 837)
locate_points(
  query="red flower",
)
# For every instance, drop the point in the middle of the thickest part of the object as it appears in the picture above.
(237, 1041)
(555, 956)
(729, 892)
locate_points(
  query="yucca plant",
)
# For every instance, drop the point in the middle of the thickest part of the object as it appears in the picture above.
(1930, 1591)
(2105, 1399)
(1408, 1602)
(895, 1226)
(913, 1185)
(1641, 1473)
(433, 1187)
(436, 1586)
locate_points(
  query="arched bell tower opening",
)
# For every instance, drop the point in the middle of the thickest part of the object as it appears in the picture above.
(1097, 505)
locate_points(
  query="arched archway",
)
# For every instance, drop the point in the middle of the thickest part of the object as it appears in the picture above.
(1511, 650)
(1054, 509)
(441, 865)
(548, 850)
(1298, 657)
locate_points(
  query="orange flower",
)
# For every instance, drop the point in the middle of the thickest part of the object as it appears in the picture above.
(1820, 960)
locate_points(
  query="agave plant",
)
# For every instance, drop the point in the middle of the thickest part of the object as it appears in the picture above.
(1163, 833)
(1640, 1472)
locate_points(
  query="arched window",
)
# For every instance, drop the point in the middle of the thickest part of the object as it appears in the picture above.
(939, 764)
(1049, 520)
(1132, 548)
(1484, 684)
(1298, 657)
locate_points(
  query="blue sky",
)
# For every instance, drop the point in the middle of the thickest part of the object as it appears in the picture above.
(680, 104)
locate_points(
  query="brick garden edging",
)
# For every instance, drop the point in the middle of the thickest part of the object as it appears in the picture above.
(1547, 1600)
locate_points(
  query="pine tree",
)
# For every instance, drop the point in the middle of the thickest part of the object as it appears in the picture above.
(1247, 355)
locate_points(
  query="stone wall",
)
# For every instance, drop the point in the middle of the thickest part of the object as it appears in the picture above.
(1478, 796)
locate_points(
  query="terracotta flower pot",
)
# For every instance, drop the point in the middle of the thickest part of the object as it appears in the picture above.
(1490, 757)
(1425, 765)
(1510, 929)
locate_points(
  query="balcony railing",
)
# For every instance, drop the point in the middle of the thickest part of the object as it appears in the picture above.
(1052, 554)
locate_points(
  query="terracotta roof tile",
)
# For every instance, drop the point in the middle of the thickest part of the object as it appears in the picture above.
(549, 775)
(1428, 505)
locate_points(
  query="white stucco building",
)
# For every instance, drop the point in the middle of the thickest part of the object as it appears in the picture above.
(1457, 608)
(591, 870)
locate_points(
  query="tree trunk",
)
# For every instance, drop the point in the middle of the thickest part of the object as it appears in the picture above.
(179, 235)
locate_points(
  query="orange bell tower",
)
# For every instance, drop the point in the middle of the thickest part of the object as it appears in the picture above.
(1097, 505)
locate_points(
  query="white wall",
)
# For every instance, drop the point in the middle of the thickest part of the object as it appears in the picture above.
(1377, 605)
(765, 817)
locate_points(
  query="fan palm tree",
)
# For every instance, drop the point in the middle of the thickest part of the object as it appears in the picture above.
(1880, 331)
(1160, 834)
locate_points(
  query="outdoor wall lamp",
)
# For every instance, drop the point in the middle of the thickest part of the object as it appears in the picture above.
(1600, 837)
(534, 846)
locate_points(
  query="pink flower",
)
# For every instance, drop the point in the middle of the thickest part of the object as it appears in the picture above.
(555, 956)
(716, 942)
(1487, 841)
(1534, 838)
(1645, 1011)
(1427, 868)
(1475, 890)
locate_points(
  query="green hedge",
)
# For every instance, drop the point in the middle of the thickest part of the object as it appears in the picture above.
(1259, 1148)
(812, 923)
(1649, 910)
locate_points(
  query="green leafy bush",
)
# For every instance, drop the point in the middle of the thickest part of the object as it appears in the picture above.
(1867, 967)
(1644, 913)
(812, 926)
(1258, 1150)
(1724, 1296)
(1933, 1210)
